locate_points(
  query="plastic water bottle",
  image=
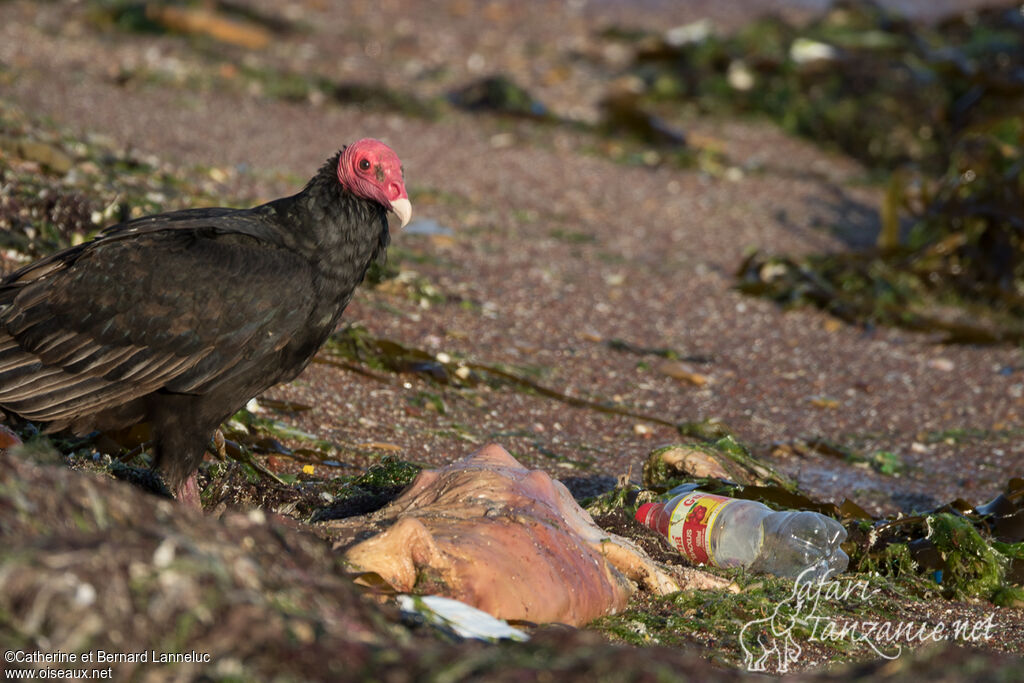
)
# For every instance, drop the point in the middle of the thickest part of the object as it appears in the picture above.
(727, 532)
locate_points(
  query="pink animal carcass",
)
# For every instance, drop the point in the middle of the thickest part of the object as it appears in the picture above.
(507, 540)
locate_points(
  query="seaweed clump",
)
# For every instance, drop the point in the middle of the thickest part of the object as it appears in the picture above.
(960, 270)
(877, 86)
(934, 110)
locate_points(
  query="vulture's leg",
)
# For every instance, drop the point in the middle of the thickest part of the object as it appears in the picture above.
(177, 457)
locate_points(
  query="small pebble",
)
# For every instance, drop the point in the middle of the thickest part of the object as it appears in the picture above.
(683, 372)
(164, 554)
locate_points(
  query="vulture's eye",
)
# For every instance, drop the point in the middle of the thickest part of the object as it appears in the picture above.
(364, 165)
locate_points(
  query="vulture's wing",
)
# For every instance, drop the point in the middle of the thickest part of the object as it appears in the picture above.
(105, 322)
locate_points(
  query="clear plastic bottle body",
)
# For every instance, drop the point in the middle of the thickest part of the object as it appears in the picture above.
(741, 533)
(737, 537)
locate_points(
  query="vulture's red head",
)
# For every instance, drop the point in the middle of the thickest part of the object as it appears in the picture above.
(371, 170)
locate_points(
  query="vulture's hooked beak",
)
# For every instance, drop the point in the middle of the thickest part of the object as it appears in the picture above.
(403, 209)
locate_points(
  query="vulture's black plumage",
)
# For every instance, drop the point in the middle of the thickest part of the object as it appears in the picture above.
(178, 319)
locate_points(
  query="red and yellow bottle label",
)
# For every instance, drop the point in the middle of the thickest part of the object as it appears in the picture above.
(691, 522)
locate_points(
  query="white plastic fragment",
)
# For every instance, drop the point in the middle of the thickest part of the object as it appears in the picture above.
(804, 50)
(465, 621)
(689, 34)
(164, 554)
(740, 77)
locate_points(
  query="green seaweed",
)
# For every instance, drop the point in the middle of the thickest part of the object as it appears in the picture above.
(625, 496)
(958, 550)
(366, 492)
(935, 109)
(735, 621)
(500, 94)
(389, 473)
(355, 349)
(973, 567)
(878, 87)
(379, 98)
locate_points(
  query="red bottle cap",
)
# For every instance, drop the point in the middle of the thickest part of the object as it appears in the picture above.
(647, 514)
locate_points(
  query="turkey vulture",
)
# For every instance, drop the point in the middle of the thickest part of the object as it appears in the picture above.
(178, 319)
